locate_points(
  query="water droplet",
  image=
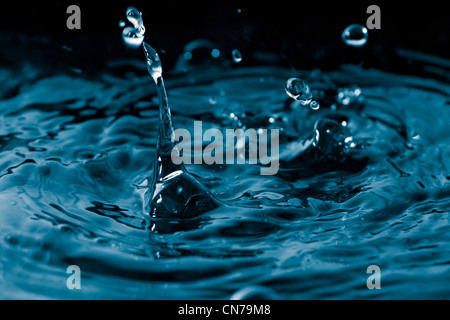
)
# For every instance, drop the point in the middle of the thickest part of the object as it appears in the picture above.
(121, 24)
(154, 65)
(135, 17)
(237, 56)
(314, 105)
(355, 35)
(133, 36)
(297, 89)
(215, 53)
(187, 56)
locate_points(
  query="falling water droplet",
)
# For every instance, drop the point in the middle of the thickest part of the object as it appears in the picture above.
(355, 35)
(314, 105)
(133, 36)
(237, 56)
(297, 89)
(121, 24)
(135, 17)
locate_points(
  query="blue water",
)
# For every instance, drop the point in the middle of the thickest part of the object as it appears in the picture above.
(75, 153)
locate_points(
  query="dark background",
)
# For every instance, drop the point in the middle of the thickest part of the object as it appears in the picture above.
(302, 34)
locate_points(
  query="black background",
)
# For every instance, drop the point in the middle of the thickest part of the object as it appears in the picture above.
(302, 34)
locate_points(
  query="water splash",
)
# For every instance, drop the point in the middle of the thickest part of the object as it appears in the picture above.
(173, 192)
(355, 35)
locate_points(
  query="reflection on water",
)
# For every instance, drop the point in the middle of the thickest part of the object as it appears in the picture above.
(360, 183)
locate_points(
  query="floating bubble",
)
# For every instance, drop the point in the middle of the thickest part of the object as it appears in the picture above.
(237, 56)
(355, 35)
(297, 89)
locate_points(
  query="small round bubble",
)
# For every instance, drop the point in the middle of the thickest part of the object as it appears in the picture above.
(355, 35)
